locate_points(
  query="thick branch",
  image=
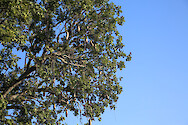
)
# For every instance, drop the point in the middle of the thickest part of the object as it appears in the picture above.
(20, 80)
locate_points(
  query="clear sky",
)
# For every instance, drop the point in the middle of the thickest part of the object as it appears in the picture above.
(156, 80)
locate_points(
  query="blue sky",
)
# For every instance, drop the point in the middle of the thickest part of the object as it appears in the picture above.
(156, 80)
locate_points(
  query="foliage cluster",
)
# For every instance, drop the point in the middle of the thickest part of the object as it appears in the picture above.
(71, 50)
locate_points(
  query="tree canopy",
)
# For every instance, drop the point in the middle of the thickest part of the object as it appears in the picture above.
(58, 56)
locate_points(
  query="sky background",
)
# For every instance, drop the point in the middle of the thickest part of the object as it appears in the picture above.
(155, 82)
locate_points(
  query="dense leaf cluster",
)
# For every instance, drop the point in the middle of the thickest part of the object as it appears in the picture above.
(71, 50)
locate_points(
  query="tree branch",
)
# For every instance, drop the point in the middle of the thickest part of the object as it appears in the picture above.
(20, 80)
(71, 63)
(3, 21)
(28, 64)
(15, 96)
(63, 60)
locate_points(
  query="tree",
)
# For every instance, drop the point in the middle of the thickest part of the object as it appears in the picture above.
(72, 50)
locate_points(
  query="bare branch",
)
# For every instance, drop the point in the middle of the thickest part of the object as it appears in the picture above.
(28, 64)
(63, 60)
(15, 96)
(71, 63)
